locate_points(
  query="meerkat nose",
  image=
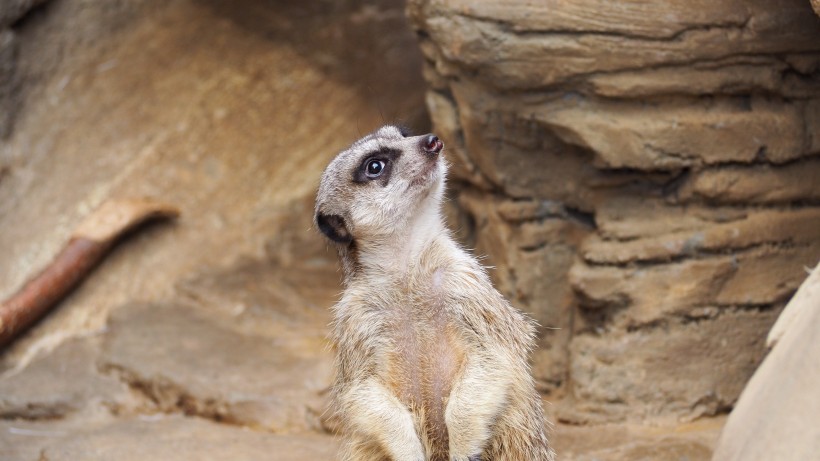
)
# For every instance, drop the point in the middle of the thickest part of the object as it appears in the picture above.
(432, 144)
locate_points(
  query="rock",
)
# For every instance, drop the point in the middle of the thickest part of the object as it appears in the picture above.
(515, 46)
(632, 442)
(59, 384)
(23, 440)
(8, 99)
(758, 184)
(13, 10)
(669, 137)
(628, 217)
(184, 361)
(778, 414)
(513, 152)
(816, 5)
(175, 438)
(769, 227)
(657, 158)
(608, 371)
(641, 295)
(736, 75)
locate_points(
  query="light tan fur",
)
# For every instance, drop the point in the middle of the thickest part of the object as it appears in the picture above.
(431, 361)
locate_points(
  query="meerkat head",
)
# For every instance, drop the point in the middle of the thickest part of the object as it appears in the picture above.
(379, 185)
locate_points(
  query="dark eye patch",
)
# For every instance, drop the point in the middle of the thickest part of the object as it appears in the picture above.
(387, 155)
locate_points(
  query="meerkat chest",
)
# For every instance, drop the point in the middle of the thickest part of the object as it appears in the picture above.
(426, 347)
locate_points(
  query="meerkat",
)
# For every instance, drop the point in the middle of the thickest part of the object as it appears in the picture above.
(432, 363)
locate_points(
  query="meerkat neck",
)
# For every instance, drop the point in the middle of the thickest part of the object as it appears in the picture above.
(400, 251)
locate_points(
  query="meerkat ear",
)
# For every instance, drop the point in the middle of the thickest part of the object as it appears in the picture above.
(333, 226)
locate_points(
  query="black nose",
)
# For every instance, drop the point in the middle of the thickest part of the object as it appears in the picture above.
(432, 144)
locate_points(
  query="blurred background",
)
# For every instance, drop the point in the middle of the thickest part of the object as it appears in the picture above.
(641, 176)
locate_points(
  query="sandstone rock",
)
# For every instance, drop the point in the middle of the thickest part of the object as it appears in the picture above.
(730, 76)
(234, 150)
(532, 48)
(642, 295)
(22, 440)
(514, 152)
(734, 75)
(181, 439)
(757, 184)
(668, 137)
(186, 362)
(61, 383)
(608, 372)
(627, 217)
(770, 227)
(598, 16)
(632, 442)
(444, 114)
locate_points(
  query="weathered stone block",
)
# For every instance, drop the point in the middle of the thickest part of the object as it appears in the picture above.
(635, 296)
(527, 47)
(765, 184)
(187, 361)
(735, 76)
(60, 383)
(669, 136)
(626, 217)
(185, 439)
(688, 369)
(519, 155)
(772, 227)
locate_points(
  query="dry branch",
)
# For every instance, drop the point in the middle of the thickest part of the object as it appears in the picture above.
(87, 246)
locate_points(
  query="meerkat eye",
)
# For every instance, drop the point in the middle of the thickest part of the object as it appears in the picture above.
(374, 168)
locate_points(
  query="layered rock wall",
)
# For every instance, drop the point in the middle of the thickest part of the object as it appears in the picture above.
(643, 177)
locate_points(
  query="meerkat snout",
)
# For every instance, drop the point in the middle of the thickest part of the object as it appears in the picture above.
(432, 144)
(431, 360)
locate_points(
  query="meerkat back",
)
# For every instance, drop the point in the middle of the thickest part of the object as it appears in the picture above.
(431, 361)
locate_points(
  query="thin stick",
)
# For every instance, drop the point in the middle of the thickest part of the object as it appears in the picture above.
(87, 246)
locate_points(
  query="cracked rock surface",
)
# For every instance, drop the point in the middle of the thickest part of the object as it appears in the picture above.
(173, 438)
